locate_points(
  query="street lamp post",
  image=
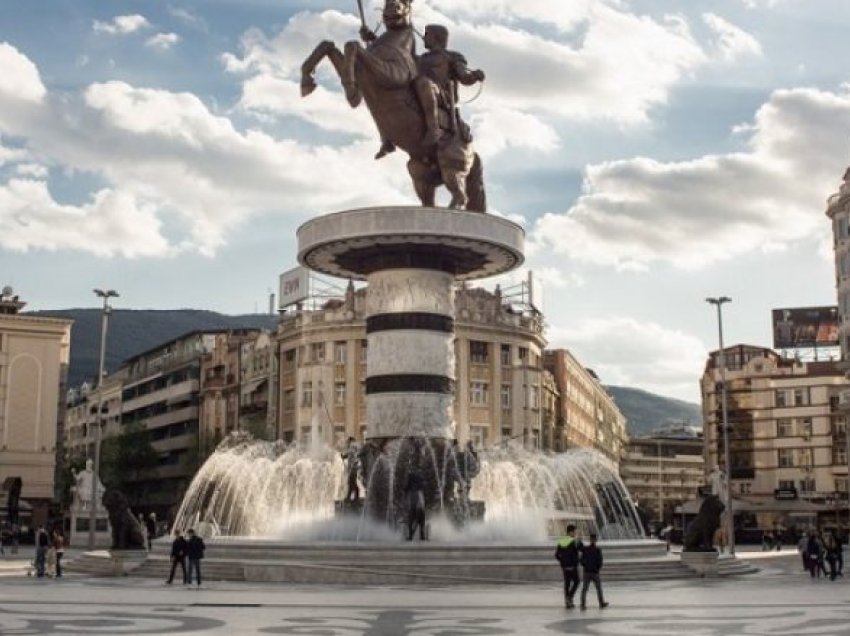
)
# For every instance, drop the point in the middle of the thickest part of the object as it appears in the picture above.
(104, 325)
(730, 523)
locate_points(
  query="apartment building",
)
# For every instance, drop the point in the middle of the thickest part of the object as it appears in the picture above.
(586, 413)
(787, 441)
(34, 354)
(663, 471)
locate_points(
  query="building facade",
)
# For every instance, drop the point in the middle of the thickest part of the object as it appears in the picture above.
(34, 355)
(787, 443)
(501, 392)
(663, 471)
(587, 416)
(838, 211)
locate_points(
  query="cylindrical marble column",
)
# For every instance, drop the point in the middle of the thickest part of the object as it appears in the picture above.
(410, 370)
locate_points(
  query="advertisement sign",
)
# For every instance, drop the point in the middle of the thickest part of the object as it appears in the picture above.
(805, 327)
(294, 286)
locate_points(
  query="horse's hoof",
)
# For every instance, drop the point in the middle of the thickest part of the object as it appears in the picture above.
(308, 85)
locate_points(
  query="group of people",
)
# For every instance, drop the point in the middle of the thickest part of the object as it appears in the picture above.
(187, 551)
(572, 554)
(49, 550)
(820, 551)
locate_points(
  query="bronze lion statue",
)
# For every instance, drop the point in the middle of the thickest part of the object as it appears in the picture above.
(699, 537)
(126, 531)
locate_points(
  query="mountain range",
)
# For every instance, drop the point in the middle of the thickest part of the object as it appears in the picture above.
(134, 331)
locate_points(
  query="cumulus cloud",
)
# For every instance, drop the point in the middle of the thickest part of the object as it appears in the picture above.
(164, 153)
(163, 41)
(20, 80)
(628, 352)
(634, 212)
(732, 41)
(122, 24)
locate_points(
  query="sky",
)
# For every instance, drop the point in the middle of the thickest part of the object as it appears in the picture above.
(657, 152)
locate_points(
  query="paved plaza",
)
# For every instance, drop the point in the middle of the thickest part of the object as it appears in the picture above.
(779, 600)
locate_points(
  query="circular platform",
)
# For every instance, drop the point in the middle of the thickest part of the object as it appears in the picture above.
(356, 243)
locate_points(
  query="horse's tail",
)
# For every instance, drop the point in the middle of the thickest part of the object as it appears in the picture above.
(475, 187)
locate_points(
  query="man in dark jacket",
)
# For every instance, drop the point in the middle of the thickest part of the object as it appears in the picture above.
(195, 552)
(591, 561)
(150, 526)
(568, 553)
(178, 556)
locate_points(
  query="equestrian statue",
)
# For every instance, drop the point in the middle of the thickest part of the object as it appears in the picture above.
(413, 100)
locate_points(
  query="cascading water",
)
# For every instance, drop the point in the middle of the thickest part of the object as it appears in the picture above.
(262, 489)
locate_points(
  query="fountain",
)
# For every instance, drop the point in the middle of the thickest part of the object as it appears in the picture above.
(277, 512)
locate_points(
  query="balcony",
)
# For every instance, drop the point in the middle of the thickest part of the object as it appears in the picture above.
(743, 472)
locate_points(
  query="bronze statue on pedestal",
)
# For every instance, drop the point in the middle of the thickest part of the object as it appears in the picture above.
(413, 101)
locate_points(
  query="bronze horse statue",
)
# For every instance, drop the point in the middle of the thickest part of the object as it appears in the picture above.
(383, 74)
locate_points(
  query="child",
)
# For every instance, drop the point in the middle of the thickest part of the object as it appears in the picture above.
(591, 560)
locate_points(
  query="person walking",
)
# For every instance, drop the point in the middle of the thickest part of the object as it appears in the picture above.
(567, 553)
(839, 553)
(194, 553)
(591, 562)
(178, 556)
(803, 549)
(42, 542)
(59, 547)
(814, 554)
(150, 526)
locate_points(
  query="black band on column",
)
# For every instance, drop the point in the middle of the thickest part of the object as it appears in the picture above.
(410, 383)
(410, 320)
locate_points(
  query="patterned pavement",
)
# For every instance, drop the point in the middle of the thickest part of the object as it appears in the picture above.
(779, 601)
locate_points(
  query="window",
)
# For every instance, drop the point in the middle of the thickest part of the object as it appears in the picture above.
(534, 397)
(339, 394)
(339, 352)
(506, 355)
(289, 399)
(317, 351)
(746, 487)
(786, 484)
(807, 485)
(307, 393)
(478, 393)
(839, 455)
(522, 352)
(805, 427)
(801, 397)
(478, 352)
(506, 397)
(786, 457)
(840, 484)
(804, 457)
(780, 399)
(784, 427)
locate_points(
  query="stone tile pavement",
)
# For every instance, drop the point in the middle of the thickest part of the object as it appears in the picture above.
(781, 600)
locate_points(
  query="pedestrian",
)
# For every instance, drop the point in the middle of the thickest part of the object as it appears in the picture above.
(415, 491)
(567, 553)
(591, 562)
(831, 557)
(59, 547)
(194, 553)
(351, 457)
(143, 526)
(802, 548)
(150, 526)
(41, 544)
(839, 553)
(814, 553)
(178, 556)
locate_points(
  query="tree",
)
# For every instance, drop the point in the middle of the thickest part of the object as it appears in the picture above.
(125, 460)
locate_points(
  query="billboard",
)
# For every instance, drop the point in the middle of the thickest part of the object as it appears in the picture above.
(803, 327)
(294, 286)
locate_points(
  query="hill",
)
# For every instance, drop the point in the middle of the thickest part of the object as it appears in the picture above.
(647, 411)
(133, 331)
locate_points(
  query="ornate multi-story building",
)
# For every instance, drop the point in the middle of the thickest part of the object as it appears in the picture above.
(587, 416)
(787, 445)
(501, 393)
(34, 353)
(81, 416)
(662, 471)
(838, 211)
